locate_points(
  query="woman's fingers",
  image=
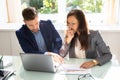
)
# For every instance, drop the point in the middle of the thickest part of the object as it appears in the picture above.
(87, 65)
(69, 36)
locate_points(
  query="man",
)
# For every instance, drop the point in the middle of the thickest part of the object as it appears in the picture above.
(38, 37)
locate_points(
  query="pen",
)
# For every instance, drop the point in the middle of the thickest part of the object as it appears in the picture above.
(1, 58)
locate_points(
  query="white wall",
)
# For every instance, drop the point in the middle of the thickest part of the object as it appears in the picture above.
(8, 43)
(112, 38)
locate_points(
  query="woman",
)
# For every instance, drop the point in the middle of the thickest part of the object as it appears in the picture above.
(80, 42)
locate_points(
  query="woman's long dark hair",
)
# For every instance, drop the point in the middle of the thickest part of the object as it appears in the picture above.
(82, 28)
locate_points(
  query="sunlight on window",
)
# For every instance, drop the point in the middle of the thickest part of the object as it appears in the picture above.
(49, 6)
(97, 11)
(43, 6)
(89, 6)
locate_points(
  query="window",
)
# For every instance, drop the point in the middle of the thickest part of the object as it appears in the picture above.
(92, 8)
(3, 11)
(89, 6)
(43, 6)
(98, 12)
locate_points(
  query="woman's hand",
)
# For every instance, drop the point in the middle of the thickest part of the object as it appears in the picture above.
(87, 65)
(69, 36)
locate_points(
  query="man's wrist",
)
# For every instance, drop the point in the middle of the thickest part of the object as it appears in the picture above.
(46, 53)
(95, 62)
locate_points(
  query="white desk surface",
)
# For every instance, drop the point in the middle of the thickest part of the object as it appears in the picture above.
(109, 71)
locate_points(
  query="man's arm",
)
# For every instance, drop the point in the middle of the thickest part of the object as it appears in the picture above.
(26, 45)
(56, 38)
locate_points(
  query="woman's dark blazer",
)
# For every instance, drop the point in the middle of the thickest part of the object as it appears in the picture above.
(97, 49)
(51, 37)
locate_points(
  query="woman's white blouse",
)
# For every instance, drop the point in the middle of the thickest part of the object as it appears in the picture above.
(79, 53)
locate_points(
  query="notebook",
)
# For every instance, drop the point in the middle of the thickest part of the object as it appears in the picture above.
(38, 62)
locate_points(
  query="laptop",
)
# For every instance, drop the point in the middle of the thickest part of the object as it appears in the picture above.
(38, 62)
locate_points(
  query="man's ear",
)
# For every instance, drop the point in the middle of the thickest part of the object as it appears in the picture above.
(24, 21)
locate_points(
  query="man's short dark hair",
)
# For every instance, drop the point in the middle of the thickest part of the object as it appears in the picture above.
(29, 13)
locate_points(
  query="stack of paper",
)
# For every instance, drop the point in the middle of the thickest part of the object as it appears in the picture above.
(73, 69)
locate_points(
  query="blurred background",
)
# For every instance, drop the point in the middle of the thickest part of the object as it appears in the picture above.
(98, 12)
(102, 15)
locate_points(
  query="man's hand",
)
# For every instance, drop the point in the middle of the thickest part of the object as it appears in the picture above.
(57, 58)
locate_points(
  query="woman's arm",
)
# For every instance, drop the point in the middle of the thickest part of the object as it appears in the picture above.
(103, 50)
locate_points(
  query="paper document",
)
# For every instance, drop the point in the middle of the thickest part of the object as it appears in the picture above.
(73, 69)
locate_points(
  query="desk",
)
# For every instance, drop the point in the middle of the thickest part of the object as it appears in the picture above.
(109, 71)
